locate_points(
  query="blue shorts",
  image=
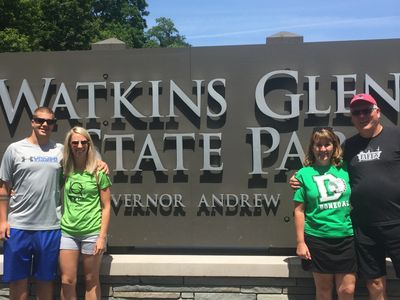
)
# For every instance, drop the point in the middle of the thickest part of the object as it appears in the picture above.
(31, 253)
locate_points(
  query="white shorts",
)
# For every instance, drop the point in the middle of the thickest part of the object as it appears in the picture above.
(85, 243)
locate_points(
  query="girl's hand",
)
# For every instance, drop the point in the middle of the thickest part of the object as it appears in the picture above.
(302, 251)
(100, 246)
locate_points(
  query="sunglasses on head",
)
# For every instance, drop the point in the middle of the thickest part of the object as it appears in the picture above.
(83, 143)
(41, 121)
(319, 129)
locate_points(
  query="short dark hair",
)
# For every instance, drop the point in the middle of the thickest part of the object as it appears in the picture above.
(44, 109)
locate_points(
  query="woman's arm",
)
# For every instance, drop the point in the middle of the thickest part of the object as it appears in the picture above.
(105, 220)
(299, 219)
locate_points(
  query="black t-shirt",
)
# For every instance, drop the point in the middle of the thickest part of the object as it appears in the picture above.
(374, 169)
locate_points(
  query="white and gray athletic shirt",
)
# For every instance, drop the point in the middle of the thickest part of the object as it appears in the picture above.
(34, 173)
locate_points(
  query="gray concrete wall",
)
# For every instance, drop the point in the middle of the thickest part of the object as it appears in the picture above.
(208, 278)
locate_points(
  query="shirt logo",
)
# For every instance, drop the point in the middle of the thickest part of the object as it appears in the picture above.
(330, 187)
(40, 159)
(75, 192)
(369, 155)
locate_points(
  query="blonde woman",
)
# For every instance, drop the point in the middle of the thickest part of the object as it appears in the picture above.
(86, 215)
(324, 231)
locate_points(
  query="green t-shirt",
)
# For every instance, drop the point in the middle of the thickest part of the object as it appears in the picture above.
(82, 206)
(325, 193)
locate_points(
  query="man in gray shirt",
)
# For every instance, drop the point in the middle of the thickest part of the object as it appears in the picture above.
(32, 169)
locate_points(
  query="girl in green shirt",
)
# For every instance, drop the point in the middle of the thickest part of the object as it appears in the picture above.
(86, 215)
(324, 231)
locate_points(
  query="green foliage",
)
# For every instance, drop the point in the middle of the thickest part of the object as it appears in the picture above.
(64, 25)
(16, 25)
(122, 19)
(51, 25)
(11, 40)
(165, 34)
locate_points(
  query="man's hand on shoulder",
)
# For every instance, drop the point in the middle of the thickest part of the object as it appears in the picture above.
(294, 183)
(102, 166)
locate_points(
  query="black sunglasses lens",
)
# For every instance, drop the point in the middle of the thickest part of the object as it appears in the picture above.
(83, 143)
(318, 129)
(51, 121)
(41, 121)
(366, 111)
(38, 120)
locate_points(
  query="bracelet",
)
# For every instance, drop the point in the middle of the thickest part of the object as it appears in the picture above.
(4, 198)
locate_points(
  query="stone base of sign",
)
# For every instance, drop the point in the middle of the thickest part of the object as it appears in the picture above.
(207, 277)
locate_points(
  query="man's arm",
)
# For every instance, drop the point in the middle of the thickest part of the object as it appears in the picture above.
(4, 198)
(294, 183)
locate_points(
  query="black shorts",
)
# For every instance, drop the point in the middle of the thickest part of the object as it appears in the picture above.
(331, 255)
(374, 244)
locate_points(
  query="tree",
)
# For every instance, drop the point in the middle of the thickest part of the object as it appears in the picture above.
(32, 25)
(165, 34)
(122, 19)
(16, 30)
(64, 25)
(11, 40)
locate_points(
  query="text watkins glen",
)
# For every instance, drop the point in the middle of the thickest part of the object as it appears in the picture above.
(148, 145)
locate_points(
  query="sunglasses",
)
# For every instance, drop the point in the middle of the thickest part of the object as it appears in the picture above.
(365, 111)
(41, 121)
(319, 129)
(76, 143)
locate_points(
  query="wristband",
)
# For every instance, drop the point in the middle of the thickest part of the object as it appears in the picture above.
(4, 197)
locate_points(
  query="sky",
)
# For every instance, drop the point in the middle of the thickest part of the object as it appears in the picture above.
(244, 22)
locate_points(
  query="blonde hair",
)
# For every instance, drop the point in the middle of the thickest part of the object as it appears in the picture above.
(68, 160)
(328, 134)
